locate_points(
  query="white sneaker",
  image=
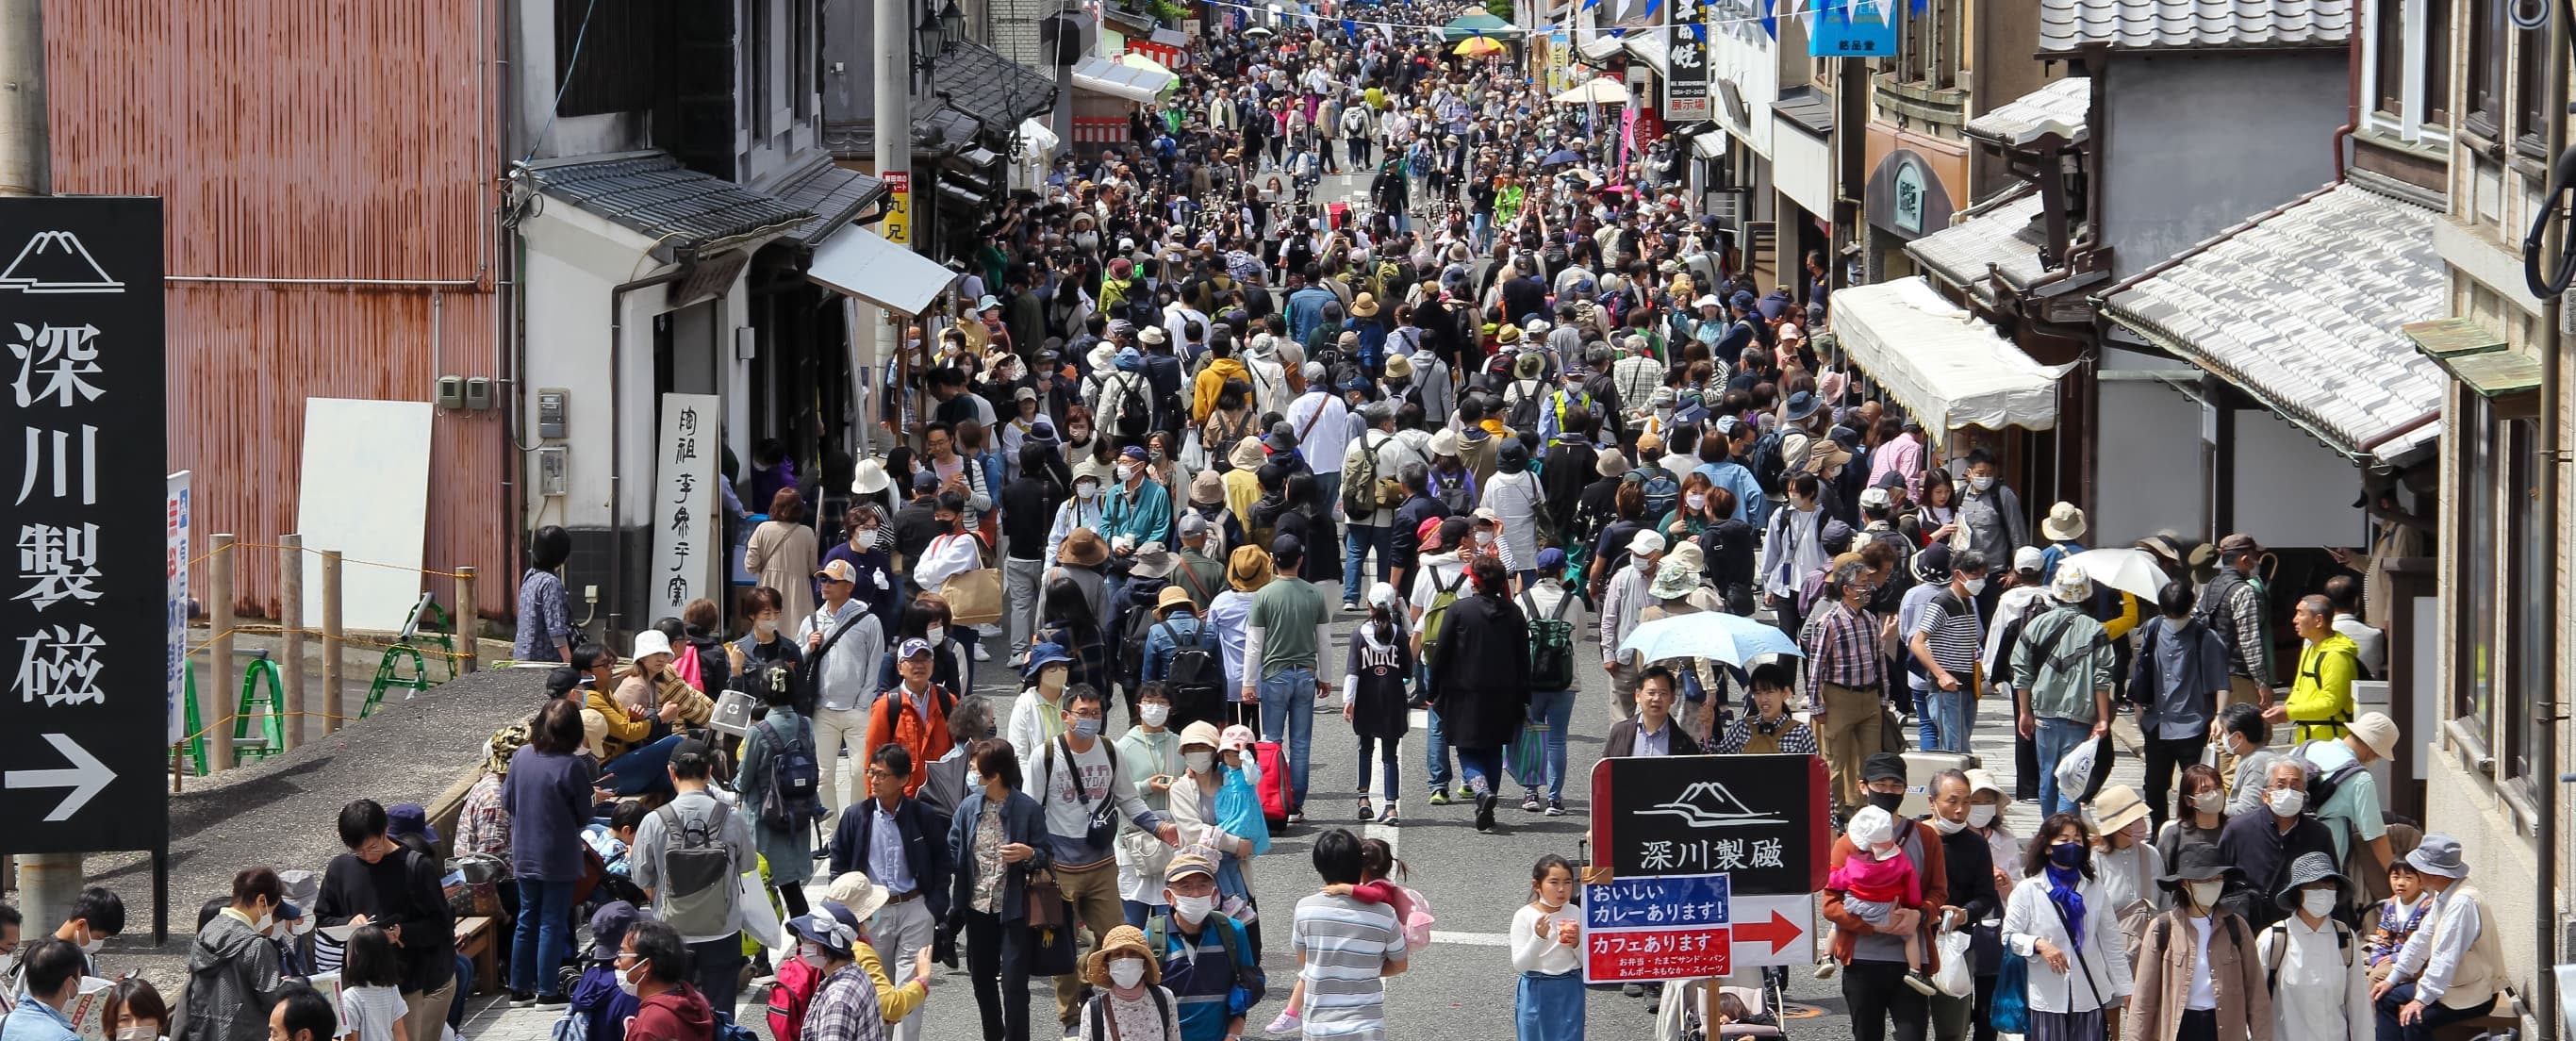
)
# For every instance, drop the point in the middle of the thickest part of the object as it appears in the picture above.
(981, 654)
(1826, 968)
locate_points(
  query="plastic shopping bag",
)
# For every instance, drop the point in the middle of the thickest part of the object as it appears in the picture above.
(759, 918)
(1957, 976)
(2011, 1007)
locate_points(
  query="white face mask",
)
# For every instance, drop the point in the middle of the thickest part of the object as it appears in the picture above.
(1484, 538)
(935, 634)
(1193, 909)
(1126, 973)
(813, 954)
(1126, 472)
(137, 1032)
(2286, 802)
(266, 922)
(2205, 894)
(1981, 483)
(1153, 715)
(95, 943)
(629, 984)
(1086, 489)
(1946, 826)
(2317, 902)
(1974, 586)
(765, 627)
(1981, 815)
(1696, 501)
(1199, 762)
(2210, 801)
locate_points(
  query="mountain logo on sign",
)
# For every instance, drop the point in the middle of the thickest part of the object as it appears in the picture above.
(56, 262)
(1708, 804)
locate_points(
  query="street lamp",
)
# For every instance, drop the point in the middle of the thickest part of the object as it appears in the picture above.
(936, 36)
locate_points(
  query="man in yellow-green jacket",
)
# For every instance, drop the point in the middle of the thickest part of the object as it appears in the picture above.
(2320, 702)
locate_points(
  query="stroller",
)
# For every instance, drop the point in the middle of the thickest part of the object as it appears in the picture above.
(1688, 1006)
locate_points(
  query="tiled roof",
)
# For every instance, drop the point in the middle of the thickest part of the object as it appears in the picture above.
(995, 90)
(2059, 108)
(1812, 109)
(2067, 25)
(2301, 308)
(834, 193)
(942, 130)
(651, 194)
(2004, 232)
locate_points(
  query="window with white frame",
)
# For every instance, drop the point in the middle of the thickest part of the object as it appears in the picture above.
(2409, 67)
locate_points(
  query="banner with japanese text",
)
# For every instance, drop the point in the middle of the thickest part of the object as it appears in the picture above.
(688, 530)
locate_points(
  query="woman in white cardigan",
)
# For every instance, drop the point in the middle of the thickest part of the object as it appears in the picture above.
(2061, 921)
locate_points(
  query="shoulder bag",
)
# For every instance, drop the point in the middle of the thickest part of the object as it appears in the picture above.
(974, 597)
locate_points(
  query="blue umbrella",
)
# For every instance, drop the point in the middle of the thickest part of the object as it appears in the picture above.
(1715, 635)
(1560, 157)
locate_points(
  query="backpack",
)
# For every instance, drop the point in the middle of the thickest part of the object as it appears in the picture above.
(697, 870)
(1195, 668)
(1099, 1009)
(1453, 495)
(1770, 467)
(2322, 790)
(789, 998)
(2276, 943)
(1135, 410)
(1523, 413)
(1661, 490)
(1551, 646)
(2216, 609)
(795, 780)
(1131, 642)
(1369, 493)
(1441, 597)
(1249, 978)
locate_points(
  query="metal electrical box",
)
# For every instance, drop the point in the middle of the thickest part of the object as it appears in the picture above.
(554, 471)
(552, 403)
(478, 392)
(451, 392)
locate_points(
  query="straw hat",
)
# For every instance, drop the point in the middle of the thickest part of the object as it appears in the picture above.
(1247, 454)
(1248, 569)
(2117, 806)
(1125, 940)
(2064, 523)
(1172, 596)
(1365, 306)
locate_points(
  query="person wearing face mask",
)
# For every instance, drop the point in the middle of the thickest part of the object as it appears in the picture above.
(1080, 781)
(1206, 959)
(1871, 958)
(649, 964)
(96, 915)
(2245, 738)
(1848, 646)
(1131, 1004)
(1150, 753)
(1793, 547)
(379, 882)
(1990, 511)
(2262, 845)
(234, 976)
(2201, 817)
(843, 643)
(764, 659)
(597, 1000)
(997, 837)
(2313, 963)
(1139, 508)
(870, 553)
(862, 906)
(135, 1011)
(51, 972)
(2198, 975)
(1943, 638)
(2058, 920)
(1623, 602)
(1969, 864)
(2128, 864)
(2235, 606)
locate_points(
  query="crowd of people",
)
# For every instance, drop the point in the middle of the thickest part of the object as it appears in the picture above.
(1181, 397)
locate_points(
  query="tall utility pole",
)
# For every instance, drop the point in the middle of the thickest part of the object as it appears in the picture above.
(49, 882)
(870, 330)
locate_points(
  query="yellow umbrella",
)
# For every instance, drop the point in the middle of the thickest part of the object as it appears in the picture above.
(1478, 47)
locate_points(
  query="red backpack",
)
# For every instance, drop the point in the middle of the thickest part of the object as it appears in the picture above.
(790, 996)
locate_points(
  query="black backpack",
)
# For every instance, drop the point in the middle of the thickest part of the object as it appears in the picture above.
(1140, 622)
(2322, 790)
(1135, 408)
(795, 781)
(1196, 668)
(1524, 412)
(1770, 467)
(1551, 646)
(697, 871)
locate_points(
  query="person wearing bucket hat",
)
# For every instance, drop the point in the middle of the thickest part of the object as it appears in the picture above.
(2124, 857)
(601, 1005)
(2347, 795)
(2197, 972)
(2061, 668)
(2453, 966)
(1131, 1004)
(1037, 717)
(2064, 528)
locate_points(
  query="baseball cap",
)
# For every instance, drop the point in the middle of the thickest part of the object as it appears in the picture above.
(913, 648)
(925, 481)
(837, 571)
(1184, 865)
(2029, 560)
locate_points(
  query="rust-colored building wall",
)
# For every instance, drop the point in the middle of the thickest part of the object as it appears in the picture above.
(302, 140)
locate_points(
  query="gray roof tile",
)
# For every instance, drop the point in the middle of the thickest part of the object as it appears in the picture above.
(651, 194)
(2061, 108)
(834, 193)
(2003, 232)
(2067, 25)
(995, 90)
(2301, 309)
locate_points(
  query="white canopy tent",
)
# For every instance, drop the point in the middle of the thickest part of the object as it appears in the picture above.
(1946, 366)
(863, 264)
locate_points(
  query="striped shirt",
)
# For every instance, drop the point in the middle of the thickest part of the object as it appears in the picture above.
(1955, 636)
(1345, 944)
(1842, 644)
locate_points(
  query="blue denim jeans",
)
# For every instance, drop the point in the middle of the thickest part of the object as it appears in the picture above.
(1288, 717)
(1357, 541)
(1384, 752)
(1955, 713)
(1481, 768)
(1435, 752)
(1556, 712)
(645, 769)
(1927, 717)
(2056, 737)
(538, 945)
(1140, 913)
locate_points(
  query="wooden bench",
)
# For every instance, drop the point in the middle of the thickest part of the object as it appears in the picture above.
(478, 939)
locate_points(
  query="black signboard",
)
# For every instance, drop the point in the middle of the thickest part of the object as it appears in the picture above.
(84, 747)
(1686, 90)
(1759, 819)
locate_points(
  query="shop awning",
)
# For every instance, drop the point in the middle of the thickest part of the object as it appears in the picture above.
(1120, 80)
(2304, 310)
(864, 264)
(1037, 141)
(1946, 366)
(1651, 48)
(2063, 108)
(1598, 46)
(1999, 236)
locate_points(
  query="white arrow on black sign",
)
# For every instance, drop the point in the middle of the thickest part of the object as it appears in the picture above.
(86, 778)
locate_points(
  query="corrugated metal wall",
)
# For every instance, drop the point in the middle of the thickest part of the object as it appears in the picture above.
(315, 140)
